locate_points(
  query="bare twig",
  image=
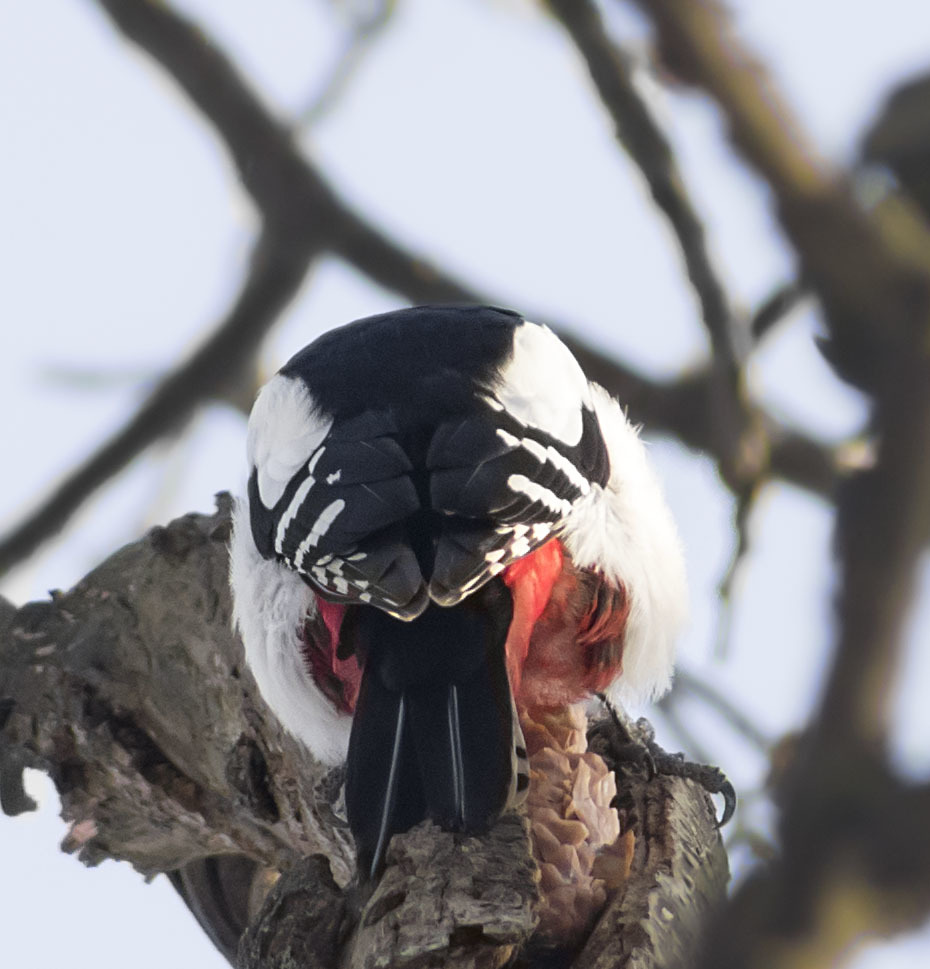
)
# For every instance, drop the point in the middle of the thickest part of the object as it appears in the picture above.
(642, 137)
(780, 303)
(745, 495)
(277, 271)
(741, 448)
(302, 215)
(687, 738)
(369, 25)
(687, 683)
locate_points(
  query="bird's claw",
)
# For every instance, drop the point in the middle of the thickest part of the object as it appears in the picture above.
(711, 778)
(729, 803)
(648, 756)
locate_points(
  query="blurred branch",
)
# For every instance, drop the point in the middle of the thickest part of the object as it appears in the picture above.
(880, 308)
(302, 215)
(867, 268)
(742, 450)
(98, 379)
(899, 138)
(856, 851)
(369, 25)
(780, 304)
(279, 177)
(642, 137)
(277, 269)
(743, 507)
(687, 683)
(689, 740)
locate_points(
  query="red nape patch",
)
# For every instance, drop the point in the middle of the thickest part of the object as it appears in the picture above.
(576, 645)
(338, 679)
(600, 634)
(530, 581)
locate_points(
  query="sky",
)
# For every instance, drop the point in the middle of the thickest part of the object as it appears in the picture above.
(470, 133)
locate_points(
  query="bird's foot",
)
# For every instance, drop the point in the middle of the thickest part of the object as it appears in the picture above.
(632, 746)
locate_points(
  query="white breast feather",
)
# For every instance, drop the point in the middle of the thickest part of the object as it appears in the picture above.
(625, 530)
(270, 603)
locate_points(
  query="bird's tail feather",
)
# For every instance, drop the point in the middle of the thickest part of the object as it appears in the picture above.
(383, 793)
(463, 741)
(444, 746)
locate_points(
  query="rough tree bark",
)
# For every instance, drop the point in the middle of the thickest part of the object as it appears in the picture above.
(131, 692)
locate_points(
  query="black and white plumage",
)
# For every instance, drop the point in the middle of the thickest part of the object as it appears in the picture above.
(399, 465)
(423, 466)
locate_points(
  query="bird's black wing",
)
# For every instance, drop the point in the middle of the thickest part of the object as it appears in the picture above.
(502, 489)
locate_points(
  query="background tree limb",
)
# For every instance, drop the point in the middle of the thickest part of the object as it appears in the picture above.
(302, 216)
(840, 855)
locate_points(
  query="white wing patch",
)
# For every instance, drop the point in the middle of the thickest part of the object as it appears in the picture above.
(299, 497)
(559, 507)
(543, 454)
(285, 427)
(329, 514)
(542, 385)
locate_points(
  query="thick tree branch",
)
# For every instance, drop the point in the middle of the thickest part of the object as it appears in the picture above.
(681, 882)
(851, 835)
(130, 691)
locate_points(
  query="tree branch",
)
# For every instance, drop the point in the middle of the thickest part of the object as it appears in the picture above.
(869, 269)
(302, 215)
(369, 25)
(640, 135)
(130, 691)
(880, 308)
(278, 268)
(681, 878)
(851, 833)
(688, 684)
(282, 181)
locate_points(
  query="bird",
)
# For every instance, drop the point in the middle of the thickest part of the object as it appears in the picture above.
(448, 533)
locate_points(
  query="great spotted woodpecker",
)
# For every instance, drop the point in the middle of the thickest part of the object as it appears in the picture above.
(447, 527)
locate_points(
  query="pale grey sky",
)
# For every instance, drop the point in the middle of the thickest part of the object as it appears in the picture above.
(471, 133)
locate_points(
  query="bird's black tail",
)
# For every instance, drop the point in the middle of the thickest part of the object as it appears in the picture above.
(434, 733)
